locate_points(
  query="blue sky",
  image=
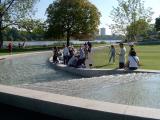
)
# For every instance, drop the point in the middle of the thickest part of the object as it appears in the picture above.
(104, 6)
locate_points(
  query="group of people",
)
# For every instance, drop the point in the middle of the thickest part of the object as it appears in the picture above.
(76, 58)
(133, 60)
(71, 56)
(11, 46)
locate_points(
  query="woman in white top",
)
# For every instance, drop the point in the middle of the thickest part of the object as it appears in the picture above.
(133, 61)
(122, 56)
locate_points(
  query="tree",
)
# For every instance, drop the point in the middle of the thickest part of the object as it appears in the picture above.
(126, 14)
(40, 28)
(137, 30)
(11, 11)
(70, 18)
(35, 29)
(31, 25)
(157, 24)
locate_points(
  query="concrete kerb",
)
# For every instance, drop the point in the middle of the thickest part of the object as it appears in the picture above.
(73, 108)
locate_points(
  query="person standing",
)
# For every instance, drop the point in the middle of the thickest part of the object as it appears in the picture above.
(112, 54)
(89, 46)
(19, 45)
(65, 55)
(10, 47)
(81, 60)
(86, 50)
(122, 56)
(55, 55)
(71, 52)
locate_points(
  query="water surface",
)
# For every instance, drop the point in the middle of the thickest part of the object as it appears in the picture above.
(140, 89)
(30, 69)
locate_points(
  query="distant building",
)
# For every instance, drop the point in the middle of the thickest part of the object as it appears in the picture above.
(102, 31)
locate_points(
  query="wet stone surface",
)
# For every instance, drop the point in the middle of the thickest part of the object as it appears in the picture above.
(139, 89)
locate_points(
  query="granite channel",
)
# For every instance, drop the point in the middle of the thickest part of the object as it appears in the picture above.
(92, 72)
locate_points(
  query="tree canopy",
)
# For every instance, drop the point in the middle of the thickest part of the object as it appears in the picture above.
(31, 25)
(137, 29)
(11, 11)
(157, 24)
(72, 18)
(129, 13)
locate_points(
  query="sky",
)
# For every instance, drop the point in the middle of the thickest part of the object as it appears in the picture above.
(104, 6)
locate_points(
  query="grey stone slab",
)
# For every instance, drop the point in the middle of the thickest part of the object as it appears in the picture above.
(72, 107)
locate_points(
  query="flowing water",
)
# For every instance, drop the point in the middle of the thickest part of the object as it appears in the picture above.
(140, 89)
(30, 69)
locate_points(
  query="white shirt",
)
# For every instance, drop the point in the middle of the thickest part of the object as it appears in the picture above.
(133, 61)
(122, 55)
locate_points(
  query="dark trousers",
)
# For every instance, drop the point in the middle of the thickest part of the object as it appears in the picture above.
(121, 65)
(132, 68)
(55, 60)
(65, 60)
(80, 62)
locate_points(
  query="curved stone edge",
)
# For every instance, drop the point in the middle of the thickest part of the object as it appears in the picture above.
(71, 107)
(87, 72)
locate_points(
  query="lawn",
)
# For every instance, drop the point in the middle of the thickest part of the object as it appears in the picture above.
(38, 48)
(24, 50)
(149, 57)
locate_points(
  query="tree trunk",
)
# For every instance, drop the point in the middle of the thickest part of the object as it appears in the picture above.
(1, 38)
(1, 35)
(68, 38)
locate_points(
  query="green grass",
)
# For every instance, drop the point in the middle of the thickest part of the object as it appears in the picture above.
(99, 44)
(149, 57)
(25, 50)
(37, 48)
